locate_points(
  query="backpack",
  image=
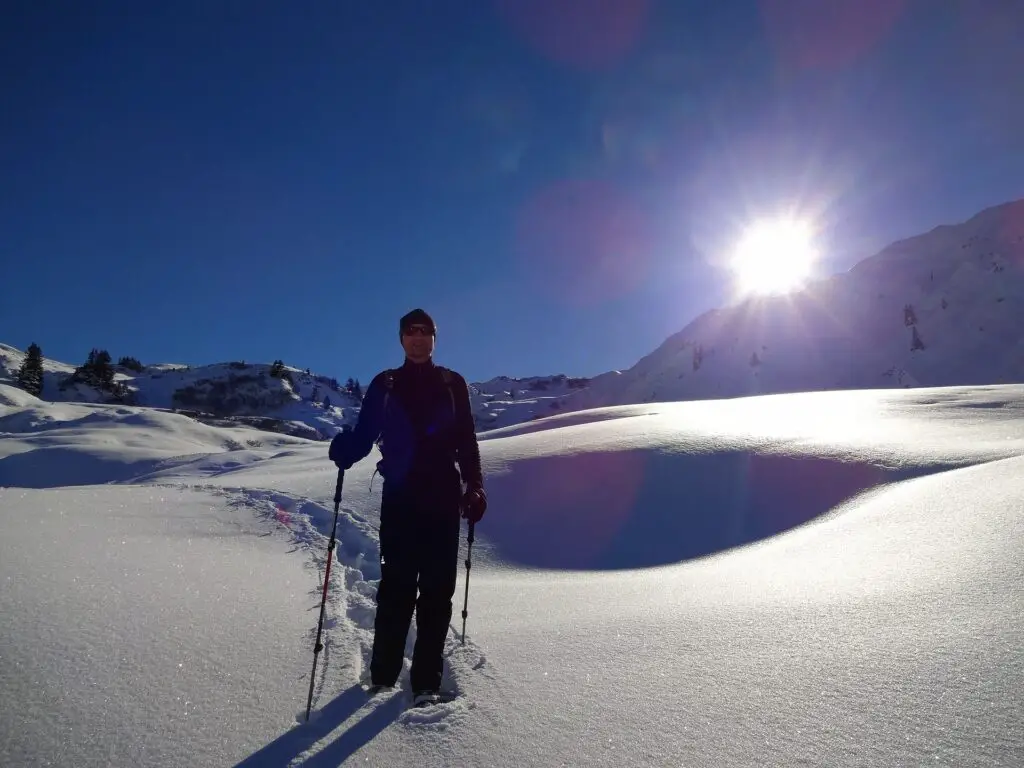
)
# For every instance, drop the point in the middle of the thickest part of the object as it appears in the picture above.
(389, 383)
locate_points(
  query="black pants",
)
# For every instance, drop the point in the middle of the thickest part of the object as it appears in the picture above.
(419, 547)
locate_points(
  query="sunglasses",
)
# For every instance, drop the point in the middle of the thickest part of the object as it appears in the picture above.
(417, 330)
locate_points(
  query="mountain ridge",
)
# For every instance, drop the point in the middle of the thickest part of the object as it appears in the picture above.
(942, 308)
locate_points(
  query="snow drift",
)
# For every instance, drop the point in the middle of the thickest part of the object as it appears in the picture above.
(828, 578)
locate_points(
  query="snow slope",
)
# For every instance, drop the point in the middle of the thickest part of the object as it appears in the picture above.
(958, 289)
(54, 444)
(801, 579)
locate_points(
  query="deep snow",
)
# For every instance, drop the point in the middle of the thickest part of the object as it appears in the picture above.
(809, 579)
(135, 618)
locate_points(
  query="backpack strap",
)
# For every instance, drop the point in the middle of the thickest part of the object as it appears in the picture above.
(389, 384)
(446, 375)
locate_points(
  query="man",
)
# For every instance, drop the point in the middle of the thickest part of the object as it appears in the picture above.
(422, 417)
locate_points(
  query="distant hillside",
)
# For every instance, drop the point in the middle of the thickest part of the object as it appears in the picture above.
(275, 397)
(504, 401)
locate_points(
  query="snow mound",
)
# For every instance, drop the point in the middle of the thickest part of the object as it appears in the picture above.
(46, 445)
(15, 397)
(640, 486)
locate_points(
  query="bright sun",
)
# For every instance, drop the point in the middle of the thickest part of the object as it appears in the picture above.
(774, 256)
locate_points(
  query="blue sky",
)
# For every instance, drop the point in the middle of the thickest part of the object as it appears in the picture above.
(204, 181)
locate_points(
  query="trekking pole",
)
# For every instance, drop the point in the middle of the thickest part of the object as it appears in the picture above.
(465, 603)
(323, 600)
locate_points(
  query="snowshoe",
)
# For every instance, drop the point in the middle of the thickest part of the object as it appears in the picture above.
(429, 698)
(373, 689)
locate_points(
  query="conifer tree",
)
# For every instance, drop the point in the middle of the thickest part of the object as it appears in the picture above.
(30, 374)
(103, 369)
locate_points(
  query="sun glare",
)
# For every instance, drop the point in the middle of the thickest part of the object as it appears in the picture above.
(774, 256)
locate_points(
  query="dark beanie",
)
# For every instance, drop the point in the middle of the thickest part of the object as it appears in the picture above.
(417, 317)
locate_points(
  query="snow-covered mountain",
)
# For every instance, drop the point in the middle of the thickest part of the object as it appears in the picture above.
(504, 401)
(271, 397)
(943, 308)
(274, 397)
(940, 309)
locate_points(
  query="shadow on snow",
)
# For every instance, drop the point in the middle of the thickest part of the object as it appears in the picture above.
(290, 745)
(645, 508)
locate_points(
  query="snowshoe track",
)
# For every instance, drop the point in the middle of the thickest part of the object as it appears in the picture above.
(351, 605)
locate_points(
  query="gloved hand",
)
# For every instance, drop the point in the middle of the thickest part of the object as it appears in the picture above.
(338, 452)
(474, 503)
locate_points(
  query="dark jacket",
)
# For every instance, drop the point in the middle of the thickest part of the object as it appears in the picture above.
(421, 413)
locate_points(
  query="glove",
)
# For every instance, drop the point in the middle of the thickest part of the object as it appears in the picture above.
(338, 452)
(474, 504)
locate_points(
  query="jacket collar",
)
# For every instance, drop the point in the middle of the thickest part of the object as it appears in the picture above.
(418, 368)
